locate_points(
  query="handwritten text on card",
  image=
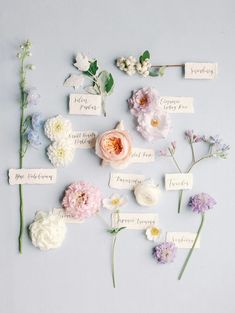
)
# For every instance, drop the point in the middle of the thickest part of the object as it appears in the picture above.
(182, 240)
(32, 176)
(85, 104)
(84, 139)
(134, 220)
(177, 104)
(142, 155)
(124, 180)
(67, 219)
(178, 181)
(201, 70)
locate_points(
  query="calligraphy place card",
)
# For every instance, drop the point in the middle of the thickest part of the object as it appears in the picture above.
(134, 220)
(183, 240)
(84, 139)
(85, 104)
(125, 180)
(32, 176)
(201, 70)
(177, 104)
(142, 155)
(178, 181)
(67, 219)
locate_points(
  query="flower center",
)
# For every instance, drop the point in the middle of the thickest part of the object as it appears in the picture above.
(81, 198)
(143, 101)
(57, 127)
(115, 202)
(155, 231)
(61, 153)
(155, 122)
(114, 145)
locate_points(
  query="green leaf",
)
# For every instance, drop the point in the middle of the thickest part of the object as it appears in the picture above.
(144, 56)
(27, 123)
(162, 70)
(109, 84)
(106, 83)
(92, 69)
(115, 231)
(154, 71)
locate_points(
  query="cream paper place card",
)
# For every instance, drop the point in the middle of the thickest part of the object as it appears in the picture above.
(67, 219)
(32, 176)
(125, 180)
(201, 70)
(142, 155)
(85, 104)
(183, 240)
(178, 181)
(84, 139)
(177, 104)
(134, 220)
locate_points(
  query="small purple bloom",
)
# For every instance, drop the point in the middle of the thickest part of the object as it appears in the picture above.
(32, 96)
(165, 252)
(36, 121)
(33, 138)
(193, 138)
(201, 202)
(213, 140)
(163, 152)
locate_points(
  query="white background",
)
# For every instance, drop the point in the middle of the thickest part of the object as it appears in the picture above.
(77, 277)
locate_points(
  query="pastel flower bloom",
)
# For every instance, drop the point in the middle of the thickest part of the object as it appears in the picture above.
(193, 138)
(61, 153)
(143, 100)
(82, 62)
(155, 124)
(32, 96)
(153, 233)
(114, 147)
(164, 252)
(114, 202)
(57, 128)
(36, 121)
(81, 200)
(201, 202)
(34, 138)
(47, 231)
(147, 193)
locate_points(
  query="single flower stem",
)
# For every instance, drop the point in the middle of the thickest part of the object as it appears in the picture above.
(193, 246)
(113, 260)
(174, 160)
(169, 65)
(207, 156)
(193, 153)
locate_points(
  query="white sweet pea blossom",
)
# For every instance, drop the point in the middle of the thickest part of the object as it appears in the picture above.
(114, 202)
(82, 62)
(147, 193)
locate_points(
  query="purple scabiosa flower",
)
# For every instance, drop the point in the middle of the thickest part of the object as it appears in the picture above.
(165, 252)
(192, 138)
(36, 121)
(201, 202)
(33, 138)
(143, 100)
(32, 96)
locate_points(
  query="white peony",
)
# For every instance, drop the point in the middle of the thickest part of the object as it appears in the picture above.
(147, 193)
(82, 62)
(61, 153)
(47, 231)
(57, 128)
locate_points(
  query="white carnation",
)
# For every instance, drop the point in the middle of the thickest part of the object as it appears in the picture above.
(147, 193)
(61, 153)
(82, 62)
(47, 231)
(57, 128)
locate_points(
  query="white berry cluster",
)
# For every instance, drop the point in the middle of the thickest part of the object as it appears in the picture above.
(131, 66)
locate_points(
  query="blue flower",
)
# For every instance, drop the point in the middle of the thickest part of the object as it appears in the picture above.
(32, 96)
(36, 121)
(34, 138)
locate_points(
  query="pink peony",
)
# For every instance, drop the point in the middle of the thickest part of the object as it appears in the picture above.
(81, 200)
(154, 125)
(143, 100)
(114, 147)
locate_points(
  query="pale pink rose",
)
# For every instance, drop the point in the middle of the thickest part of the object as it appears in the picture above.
(143, 100)
(81, 200)
(154, 125)
(114, 147)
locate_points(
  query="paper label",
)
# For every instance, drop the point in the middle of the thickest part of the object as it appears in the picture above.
(134, 220)
(67, 219)
(178, 181)
(124, 180)
(142, 155)
(84, 139)
(85, 104)
(183, 240)
(201, 70)
(32, 176)
(177, 104)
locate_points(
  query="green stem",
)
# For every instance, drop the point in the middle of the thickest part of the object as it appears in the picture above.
(169, 65)
(193, 153)
(174, 160)
(193, 246)
(113, 260)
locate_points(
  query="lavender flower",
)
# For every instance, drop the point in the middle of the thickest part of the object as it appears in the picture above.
(32, 96)
(164, 252)
(36, 121)
(212, 140)
(201, 202)
(33, 138)
(192, 138)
